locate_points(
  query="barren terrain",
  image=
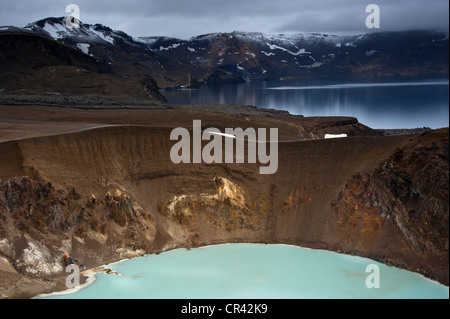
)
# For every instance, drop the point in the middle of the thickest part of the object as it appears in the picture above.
(99, 185)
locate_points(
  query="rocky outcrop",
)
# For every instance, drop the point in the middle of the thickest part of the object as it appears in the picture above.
(226, 209)
(405, 197)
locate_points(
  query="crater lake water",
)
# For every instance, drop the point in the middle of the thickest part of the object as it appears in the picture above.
(379, 105)
(254, 271)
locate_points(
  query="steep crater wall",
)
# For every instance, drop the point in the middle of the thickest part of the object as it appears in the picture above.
(112, 193)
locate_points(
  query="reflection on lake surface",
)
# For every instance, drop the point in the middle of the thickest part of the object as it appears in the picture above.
(394, 104)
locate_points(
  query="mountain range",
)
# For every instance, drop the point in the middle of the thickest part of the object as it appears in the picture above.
(212, 58)
(255, 56)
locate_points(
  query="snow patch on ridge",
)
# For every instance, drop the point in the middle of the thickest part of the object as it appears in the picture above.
(331, 136)
(173, 46)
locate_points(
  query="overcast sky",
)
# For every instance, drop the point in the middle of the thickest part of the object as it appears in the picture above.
(187, 18)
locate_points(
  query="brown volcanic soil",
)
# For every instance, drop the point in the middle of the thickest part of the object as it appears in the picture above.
(99, 185)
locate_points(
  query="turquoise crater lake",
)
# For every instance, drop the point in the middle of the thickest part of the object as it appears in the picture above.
(249, 271)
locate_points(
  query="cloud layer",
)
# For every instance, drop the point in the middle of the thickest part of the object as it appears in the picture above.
(186, 18)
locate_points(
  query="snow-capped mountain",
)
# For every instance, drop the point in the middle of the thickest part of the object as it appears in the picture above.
(232, 57)
(95, 40)
(84, 35)
(125, 55)
(259, 56)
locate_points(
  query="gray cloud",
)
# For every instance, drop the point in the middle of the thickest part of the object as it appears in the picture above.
(186, 18)
(394, 16)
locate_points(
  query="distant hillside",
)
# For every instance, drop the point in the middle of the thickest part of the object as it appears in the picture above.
(31, 63)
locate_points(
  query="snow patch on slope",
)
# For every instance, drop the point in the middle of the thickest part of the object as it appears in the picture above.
(56, 31)
(267, 53)
(371, 52)
(84, 47)
(274, 46)
(106, 38)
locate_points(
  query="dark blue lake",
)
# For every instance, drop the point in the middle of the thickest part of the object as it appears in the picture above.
(392, 104)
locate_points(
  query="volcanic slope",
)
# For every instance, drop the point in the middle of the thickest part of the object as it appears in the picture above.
(99, 185)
